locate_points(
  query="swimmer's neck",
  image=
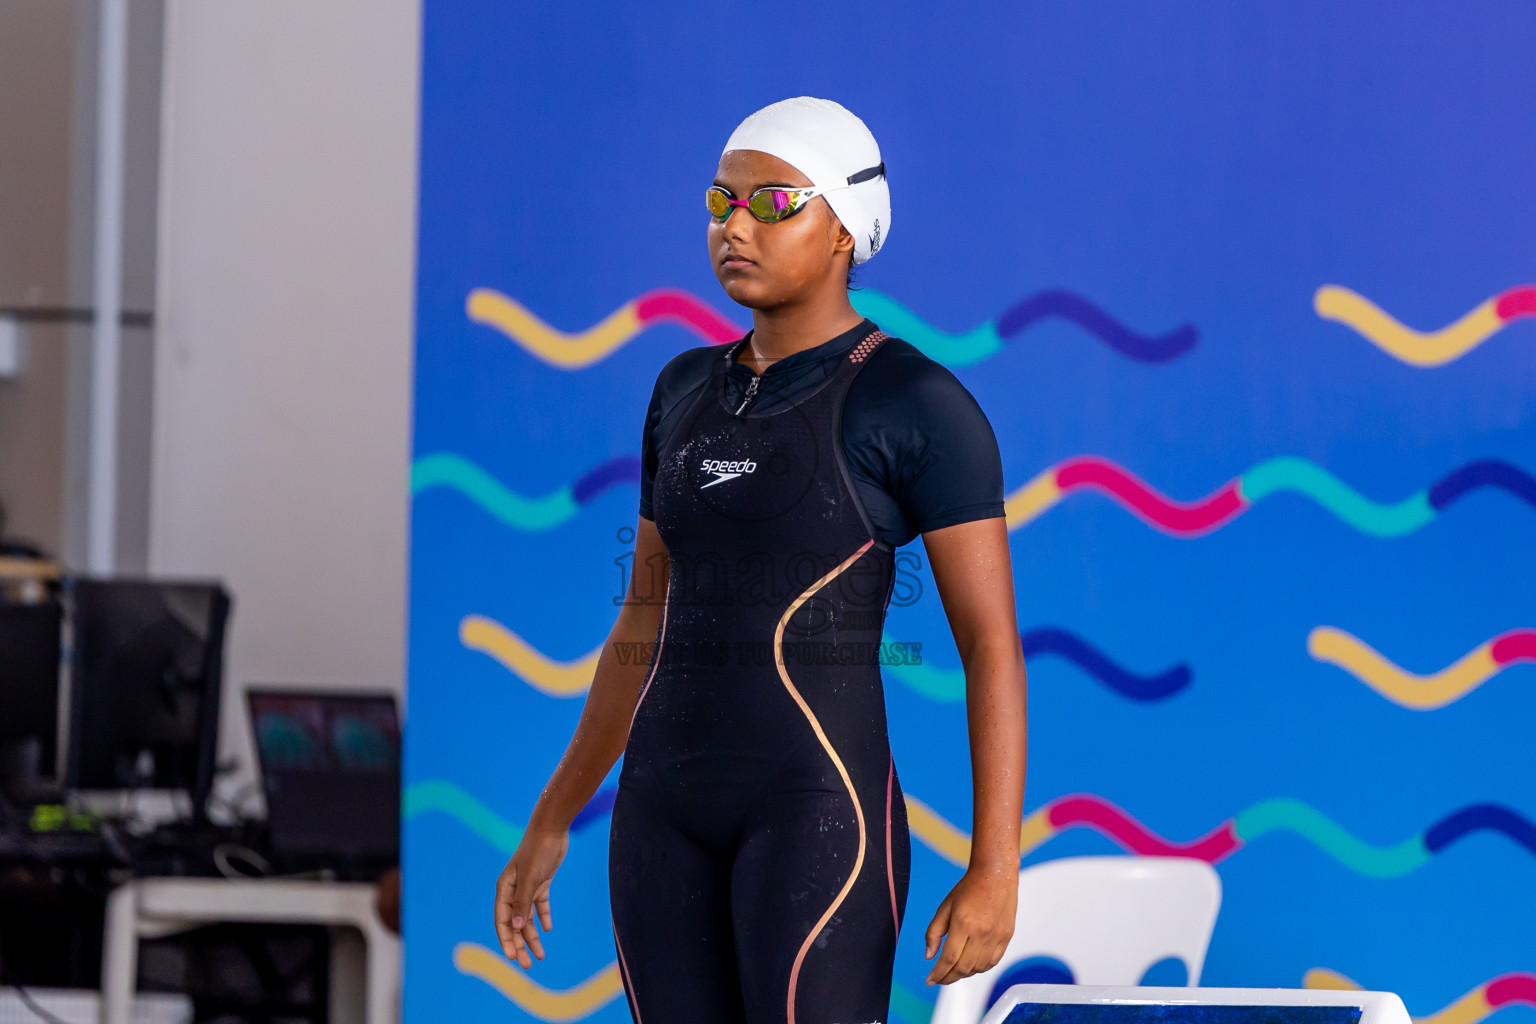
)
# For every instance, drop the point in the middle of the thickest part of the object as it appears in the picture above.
(792, 327)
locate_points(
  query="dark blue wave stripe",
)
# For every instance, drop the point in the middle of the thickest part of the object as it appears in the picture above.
(1484, 473)
(622, 470)
(1147, 349)
(600, 804)
(1479, 818)
(1093, 661)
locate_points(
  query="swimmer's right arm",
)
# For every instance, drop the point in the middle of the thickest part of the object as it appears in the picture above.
(600, 736)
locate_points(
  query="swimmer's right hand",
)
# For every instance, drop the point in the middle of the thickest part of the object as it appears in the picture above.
(523, 888)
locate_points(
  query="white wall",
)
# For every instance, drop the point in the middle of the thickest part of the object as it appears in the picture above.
(283, 356)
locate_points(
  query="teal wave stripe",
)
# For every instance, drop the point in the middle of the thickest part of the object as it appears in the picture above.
(437, 796)
(445, 469)
(1286, 815)
(1289, 473)
(908, 1006)
(945, 685)
(898, 321)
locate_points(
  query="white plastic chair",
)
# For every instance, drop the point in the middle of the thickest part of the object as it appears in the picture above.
(1107, 918)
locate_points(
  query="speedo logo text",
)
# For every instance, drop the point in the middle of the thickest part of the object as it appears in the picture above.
(724, 470)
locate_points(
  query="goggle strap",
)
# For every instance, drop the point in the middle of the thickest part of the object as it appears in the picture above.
(867, 173)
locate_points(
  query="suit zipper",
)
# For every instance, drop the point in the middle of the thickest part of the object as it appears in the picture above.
(751, 390)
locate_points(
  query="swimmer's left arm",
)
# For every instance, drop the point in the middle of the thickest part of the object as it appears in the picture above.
(974, 573)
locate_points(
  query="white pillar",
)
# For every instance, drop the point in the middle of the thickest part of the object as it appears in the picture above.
(111, 95)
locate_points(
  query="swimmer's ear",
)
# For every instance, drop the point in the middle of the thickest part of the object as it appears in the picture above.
(844, 241)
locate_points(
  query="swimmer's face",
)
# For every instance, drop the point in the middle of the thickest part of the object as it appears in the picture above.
(766, 265)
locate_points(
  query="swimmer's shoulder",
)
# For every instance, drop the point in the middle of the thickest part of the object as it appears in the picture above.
(899, 375)
(681, 376)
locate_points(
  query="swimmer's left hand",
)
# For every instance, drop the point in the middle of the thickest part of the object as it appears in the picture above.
(977, 916)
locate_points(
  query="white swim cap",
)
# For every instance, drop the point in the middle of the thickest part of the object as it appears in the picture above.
(825, 142)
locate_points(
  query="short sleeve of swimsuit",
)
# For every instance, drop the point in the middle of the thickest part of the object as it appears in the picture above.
(921, 452)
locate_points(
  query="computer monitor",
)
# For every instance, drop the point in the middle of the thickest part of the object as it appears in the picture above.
(330, 769)
(29, 694)
(1103, 1004)
(146, 673)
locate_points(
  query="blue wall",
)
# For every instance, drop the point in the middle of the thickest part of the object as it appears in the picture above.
(1193, 180)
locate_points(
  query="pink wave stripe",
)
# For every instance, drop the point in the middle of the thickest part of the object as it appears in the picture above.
(681, 308)
(1516, 645)
(1511, 988)
(1515, 303)
(1102, 816)
(1181, 518)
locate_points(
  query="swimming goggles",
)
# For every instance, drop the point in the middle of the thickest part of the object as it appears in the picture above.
(774, 203)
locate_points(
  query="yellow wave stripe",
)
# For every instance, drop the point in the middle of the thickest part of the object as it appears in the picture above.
(1423, 693)
(944, 838)
(1417, 348)
(568, 351)
(1031, 500)
(1037, 828)
(555, 678)
(1469, 1009)
(548, 1004)
(954, 844)
(1322, 977)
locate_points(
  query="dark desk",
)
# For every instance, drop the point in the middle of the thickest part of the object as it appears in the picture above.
(54, 889)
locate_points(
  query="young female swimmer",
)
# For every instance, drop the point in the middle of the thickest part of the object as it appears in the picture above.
(759, 854)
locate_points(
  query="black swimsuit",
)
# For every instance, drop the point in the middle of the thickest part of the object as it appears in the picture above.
(759, 857)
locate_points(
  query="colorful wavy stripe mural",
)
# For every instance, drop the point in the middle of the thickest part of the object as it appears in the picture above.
(1514, 989)
(579, 349)
(574, 351)
(1286, 473)
(1422, 692)
(1087, 810)
(1027, 503)
(555, 678)
(1424, 348)
(1270, 816)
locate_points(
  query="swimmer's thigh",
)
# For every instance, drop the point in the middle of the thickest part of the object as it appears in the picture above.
(671, 920)
(790, 869)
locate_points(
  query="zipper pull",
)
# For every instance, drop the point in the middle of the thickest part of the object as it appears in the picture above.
(751, 390)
